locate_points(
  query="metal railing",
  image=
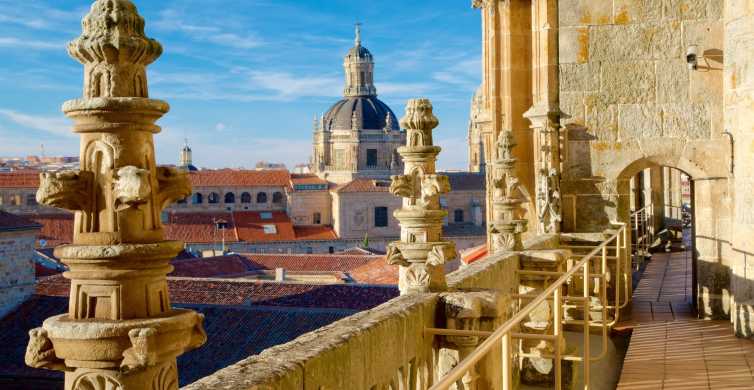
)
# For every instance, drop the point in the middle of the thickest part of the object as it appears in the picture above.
(508, 331)
(642, 232)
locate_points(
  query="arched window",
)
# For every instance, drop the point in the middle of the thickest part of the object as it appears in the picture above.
(213, 198)
(262, 197)
(317, 218)
(246, 197)
(277, 197)
(458, 216)
(31, 200)
(198, 198)
(230, 198)
(15, 200)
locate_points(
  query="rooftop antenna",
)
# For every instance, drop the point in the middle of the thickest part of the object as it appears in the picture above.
(358, 34)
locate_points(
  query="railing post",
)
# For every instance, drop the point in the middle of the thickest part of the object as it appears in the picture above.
(557, 305)
(507, 360)
(587, 320)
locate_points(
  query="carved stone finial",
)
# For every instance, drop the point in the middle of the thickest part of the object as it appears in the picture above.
(421, 252)
(114, 50)
(508, 215)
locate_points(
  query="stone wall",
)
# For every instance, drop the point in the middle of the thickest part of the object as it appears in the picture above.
(739, 120)
(16, 268)
(374, 349)
(303, 204)
(269, 205)
(355, 214)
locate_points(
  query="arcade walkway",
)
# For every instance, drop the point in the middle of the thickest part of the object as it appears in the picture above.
(672, 350)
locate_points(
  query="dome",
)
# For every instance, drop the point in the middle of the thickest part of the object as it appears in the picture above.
(370, 112)
(359, 52)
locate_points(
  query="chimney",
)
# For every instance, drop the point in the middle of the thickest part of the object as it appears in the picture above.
(280, 274)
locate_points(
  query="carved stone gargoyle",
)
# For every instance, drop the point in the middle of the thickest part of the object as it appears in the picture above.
(174, 185)
(40, 352)
(143, 351)
(395, 257)
(402, 186)
(432, 186)
(131, 188)
(68, 190)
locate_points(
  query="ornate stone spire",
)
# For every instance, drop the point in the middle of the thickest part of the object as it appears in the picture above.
(508, 216)
(120, 331)
(421, 252)
(359, 66)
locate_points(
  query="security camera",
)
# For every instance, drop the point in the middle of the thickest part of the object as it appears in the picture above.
(691, 57)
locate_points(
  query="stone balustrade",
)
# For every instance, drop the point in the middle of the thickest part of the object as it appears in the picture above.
(386, 347)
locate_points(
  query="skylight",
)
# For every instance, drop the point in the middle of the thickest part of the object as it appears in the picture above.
(270, 229)
(266, 215)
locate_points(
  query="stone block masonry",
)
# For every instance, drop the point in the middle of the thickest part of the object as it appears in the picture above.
(16, 268)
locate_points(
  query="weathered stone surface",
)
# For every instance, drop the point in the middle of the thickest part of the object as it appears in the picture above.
(637, 42)
(601, 117)
(585, 12)
(687, 9)
(628, 82)
(639, 120)
(685, 121)
(672, 82)
(574, 45)
(637, 11)
(579, 77)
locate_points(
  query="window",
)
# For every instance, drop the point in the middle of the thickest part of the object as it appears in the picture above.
(458, 216)
(380, 217)
(262, 197)
(213, 198)
(277, 197)
(246, 197)
(230, 197)
(331, 250)
(198, 198)
(371, 157)
(270, 229)
(31, 200)
(266, 215)
(317, 218)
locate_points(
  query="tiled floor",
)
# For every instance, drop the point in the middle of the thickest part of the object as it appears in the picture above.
(672, 350)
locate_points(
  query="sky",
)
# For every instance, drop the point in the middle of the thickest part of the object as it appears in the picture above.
(245, 78)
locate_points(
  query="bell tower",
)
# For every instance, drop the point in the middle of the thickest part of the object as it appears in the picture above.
(359, 66)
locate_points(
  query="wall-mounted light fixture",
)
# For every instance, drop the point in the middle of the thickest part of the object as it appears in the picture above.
(692, 58)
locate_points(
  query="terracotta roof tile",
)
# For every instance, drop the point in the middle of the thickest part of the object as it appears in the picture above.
(307, 179)
(19, 179)
(466, 181)
(377, 271)
(13, 222)
(249, 226)
(219, 266)
(364, 185)
(297, 262)
(57, 229)
(244, 292)
(233, 333)
(313, 233)
(240, 178)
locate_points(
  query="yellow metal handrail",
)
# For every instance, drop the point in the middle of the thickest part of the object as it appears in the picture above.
(505, 333)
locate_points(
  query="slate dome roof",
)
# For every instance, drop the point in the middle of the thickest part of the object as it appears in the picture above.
(370, 111)
(359, 52)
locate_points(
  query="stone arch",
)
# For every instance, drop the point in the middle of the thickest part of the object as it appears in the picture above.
(245, 197)
(262, 197)
(230, 198)
(277, 197)
(213, 198)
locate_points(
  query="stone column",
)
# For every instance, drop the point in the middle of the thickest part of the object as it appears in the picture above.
(508, 215)
(421, 252)
(120, 331)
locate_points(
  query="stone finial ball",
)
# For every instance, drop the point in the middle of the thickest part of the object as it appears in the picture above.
(419, 115)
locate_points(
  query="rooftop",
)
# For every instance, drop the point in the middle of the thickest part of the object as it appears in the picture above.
(11, 222)
(240, 178)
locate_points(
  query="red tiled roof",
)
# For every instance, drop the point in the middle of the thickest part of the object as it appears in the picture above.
(244, 292)
(56, 228)
(246, 226)
(364, 185)
(240, 178)
(308, 262)
(466, 181)
(11, 222)
(307, 179)
(19, 179)
(225, 266)
(377, 271)
(313, 233)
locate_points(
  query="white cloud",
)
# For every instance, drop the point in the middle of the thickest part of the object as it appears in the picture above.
(220, 126)
(286, 86)
(174, 20)
(53, 125)
(13, 42)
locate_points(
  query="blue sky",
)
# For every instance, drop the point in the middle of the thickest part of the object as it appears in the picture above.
(245, 78)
